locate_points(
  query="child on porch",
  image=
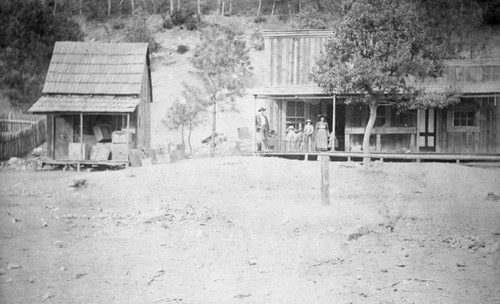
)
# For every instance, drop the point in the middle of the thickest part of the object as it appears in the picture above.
(332, 141)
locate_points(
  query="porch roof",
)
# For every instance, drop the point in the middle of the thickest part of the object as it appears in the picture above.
(85, 104)
(289, 91)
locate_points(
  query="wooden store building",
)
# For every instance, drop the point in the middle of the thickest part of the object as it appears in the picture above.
(470, 127)
(97, 100)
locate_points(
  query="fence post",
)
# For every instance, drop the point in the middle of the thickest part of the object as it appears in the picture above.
(325, 179)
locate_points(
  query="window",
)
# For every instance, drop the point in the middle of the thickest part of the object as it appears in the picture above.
(402, 119)
(463, 118)
(380, 121)
(295, 113)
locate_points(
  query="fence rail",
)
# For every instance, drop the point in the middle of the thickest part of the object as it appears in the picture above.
(20, 134)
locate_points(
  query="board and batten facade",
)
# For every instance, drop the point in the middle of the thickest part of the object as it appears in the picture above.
(290, 97)
(90, 85)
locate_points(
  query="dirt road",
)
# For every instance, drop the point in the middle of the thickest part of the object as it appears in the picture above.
(252, 230)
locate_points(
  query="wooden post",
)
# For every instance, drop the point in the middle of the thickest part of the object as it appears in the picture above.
(128, 132)
(333, 120)
(325, 179)
(417, 135)
(81, 141)
(254, 119)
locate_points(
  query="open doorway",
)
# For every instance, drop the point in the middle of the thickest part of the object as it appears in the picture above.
(339, 124)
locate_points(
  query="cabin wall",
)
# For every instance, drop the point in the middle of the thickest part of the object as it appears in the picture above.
(50, 136)
(143, 113)
(391, 133)
(482, 138)
(290, 58)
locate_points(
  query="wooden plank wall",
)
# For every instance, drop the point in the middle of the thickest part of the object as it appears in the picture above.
(143, 113)
(487, 140)
(290, 58)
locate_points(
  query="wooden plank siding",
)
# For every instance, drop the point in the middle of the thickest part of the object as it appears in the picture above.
(143, 119)
(482, 139)
(291, 58)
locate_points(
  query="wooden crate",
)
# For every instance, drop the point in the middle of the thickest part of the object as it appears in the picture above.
(120, 151)
(120, 137)
(102, 133)
(75, 153)
(100, 152)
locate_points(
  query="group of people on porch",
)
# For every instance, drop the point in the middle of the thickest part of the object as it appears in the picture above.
(301, 139)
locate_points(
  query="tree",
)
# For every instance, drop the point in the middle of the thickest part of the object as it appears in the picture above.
(29, 31)
(223, 64)
(186, 114)
(377, 45)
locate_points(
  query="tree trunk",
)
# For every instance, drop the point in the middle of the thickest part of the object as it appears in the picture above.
(222, 11)
(274, 6)
(133, 7)
(109, 7)
(189, 138)
(145, 6)
(155, 10)
(80, 8)
(182, 134)
(290, 9)
(178, 5)
(212, 139)
(260, 6)
(230, 7)
(120, 7)
(300, 5)
(171, 7)
(368, 131)
(55, 8)
(199, 8)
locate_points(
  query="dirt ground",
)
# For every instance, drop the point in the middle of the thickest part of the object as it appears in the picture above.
(252, 230)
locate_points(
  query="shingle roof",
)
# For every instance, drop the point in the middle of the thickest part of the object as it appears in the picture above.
(96, 68)
(85, 104)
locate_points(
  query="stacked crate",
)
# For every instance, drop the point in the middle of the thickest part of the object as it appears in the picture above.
(120, 144)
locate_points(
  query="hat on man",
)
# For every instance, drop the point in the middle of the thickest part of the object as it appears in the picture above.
(291, 127)
(322, 115)
(308, 121)
(262, 109)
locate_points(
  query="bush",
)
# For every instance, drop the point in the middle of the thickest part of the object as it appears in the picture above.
(257, 41)
(138, 31)
(181, 49)
(185, 17)
(167, 23)
(259, 19)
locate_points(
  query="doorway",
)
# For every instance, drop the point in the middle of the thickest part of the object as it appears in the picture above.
(339, 123)
(427, 130)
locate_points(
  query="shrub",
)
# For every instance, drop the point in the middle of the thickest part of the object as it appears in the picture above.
(185, 18)
(137, 31)
(167, 22)
(259, 19)
(257, 41)
(181, 49)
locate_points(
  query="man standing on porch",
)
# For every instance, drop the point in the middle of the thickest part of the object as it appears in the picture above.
(262, 129)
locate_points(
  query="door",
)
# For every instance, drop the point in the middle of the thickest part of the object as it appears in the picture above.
(427, 130)
(63, 136)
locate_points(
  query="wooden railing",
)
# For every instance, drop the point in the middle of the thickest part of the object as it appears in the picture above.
(20, 134)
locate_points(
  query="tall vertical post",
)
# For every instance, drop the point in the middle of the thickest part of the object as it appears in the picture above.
(333, 120)
(127, 136)
(325, 179)
(254, 118)
(82, 156)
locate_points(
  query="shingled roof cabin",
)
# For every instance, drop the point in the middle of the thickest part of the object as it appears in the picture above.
(469, 128)
(97, 100)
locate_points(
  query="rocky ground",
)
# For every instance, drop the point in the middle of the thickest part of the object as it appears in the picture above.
(252, 230)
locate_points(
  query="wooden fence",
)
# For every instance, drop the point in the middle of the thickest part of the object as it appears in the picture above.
(20, 134)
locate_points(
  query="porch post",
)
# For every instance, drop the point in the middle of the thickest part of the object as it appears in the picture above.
(82, 157)
(127, 136)
(417, 134)
(333, 119)
(254, 119)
